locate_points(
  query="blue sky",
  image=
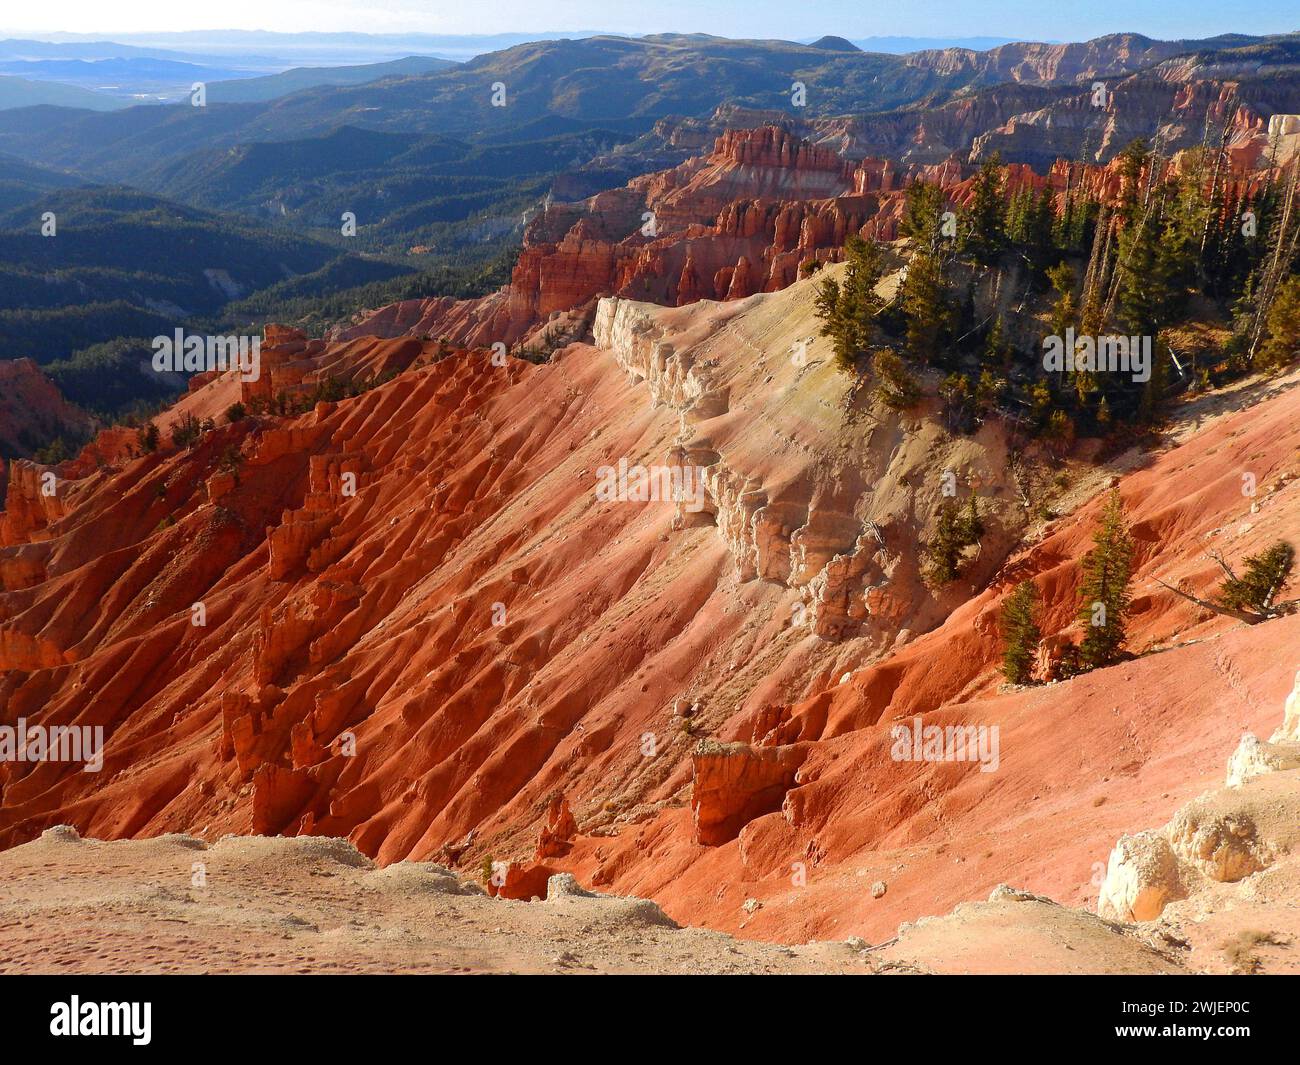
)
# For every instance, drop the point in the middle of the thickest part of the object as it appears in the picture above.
(1024, 19)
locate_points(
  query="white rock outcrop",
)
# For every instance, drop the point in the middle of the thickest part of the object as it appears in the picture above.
(1141, 877)
(1220, 837)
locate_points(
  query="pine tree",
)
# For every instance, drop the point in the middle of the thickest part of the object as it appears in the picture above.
(1266, 574)
(1060, 433)
(1041, 224)
(1019, 206)
(148, 437)
(827, 305)
(989, 390)
(1020, 633)
(958, 403)
(1153, 389)
(971, 527)
(1063, 229)
(955, 530)
(1105, 599)
(1143, 288)
(943, 552)
(984, 235)
(997, 352)
(1040, 404)
(1282, 337)
(897, 388)
(1065, 308)
(1133, 162)
(847, 308)
(925, 305)
(1104, 418)
(923, 214)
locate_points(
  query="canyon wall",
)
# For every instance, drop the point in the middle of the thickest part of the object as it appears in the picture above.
(425, 630)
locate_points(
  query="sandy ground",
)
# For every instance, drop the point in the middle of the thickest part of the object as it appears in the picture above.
(316, 905)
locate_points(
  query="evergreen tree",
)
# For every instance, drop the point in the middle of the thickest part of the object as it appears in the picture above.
(971, 526)
(897, 388)
(1019, 206)
(1133, 162)
(1074, 226)
(997, 352)
(827, 304)
(1040, 404)
(943, 552)
(847, 308)
(1065, 308)
(1266, 574)
(925, 305)
(1020, 633)
(955, 530)
(1041, 225)
(983, 233)
(148, 437)
(1030, 224)
(923, 214)
(1104, 417)
(53, 453)
(1107, 569)
(1153, 389)
(1060, 433)
(1144, 290)
(958, 402)
(989, 390)
(1282, 335)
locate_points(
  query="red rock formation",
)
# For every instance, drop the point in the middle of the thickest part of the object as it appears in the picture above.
(689, 288)
(743, 218)
(521, 881)
(363, 688)
(556, 836)
(32, 407)
(733, 783)
(762, 197)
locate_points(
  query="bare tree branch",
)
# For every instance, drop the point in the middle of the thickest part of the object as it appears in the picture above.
(1222, 564)
(1227, 611)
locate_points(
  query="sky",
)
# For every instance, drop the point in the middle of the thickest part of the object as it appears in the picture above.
(788, 19)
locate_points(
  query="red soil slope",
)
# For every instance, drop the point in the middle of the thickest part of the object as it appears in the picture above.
(31, 406)
(423, 629)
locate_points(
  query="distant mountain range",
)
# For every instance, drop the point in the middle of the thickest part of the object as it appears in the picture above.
(903, 45)
(129, 78)
(151, 76)
(320, 49)
(426, 159)
(272, 86)
(874, 73)
(90, 49)
(352, 48)
(22, 92)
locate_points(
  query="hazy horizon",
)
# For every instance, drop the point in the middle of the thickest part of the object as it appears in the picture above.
(1031, 19)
